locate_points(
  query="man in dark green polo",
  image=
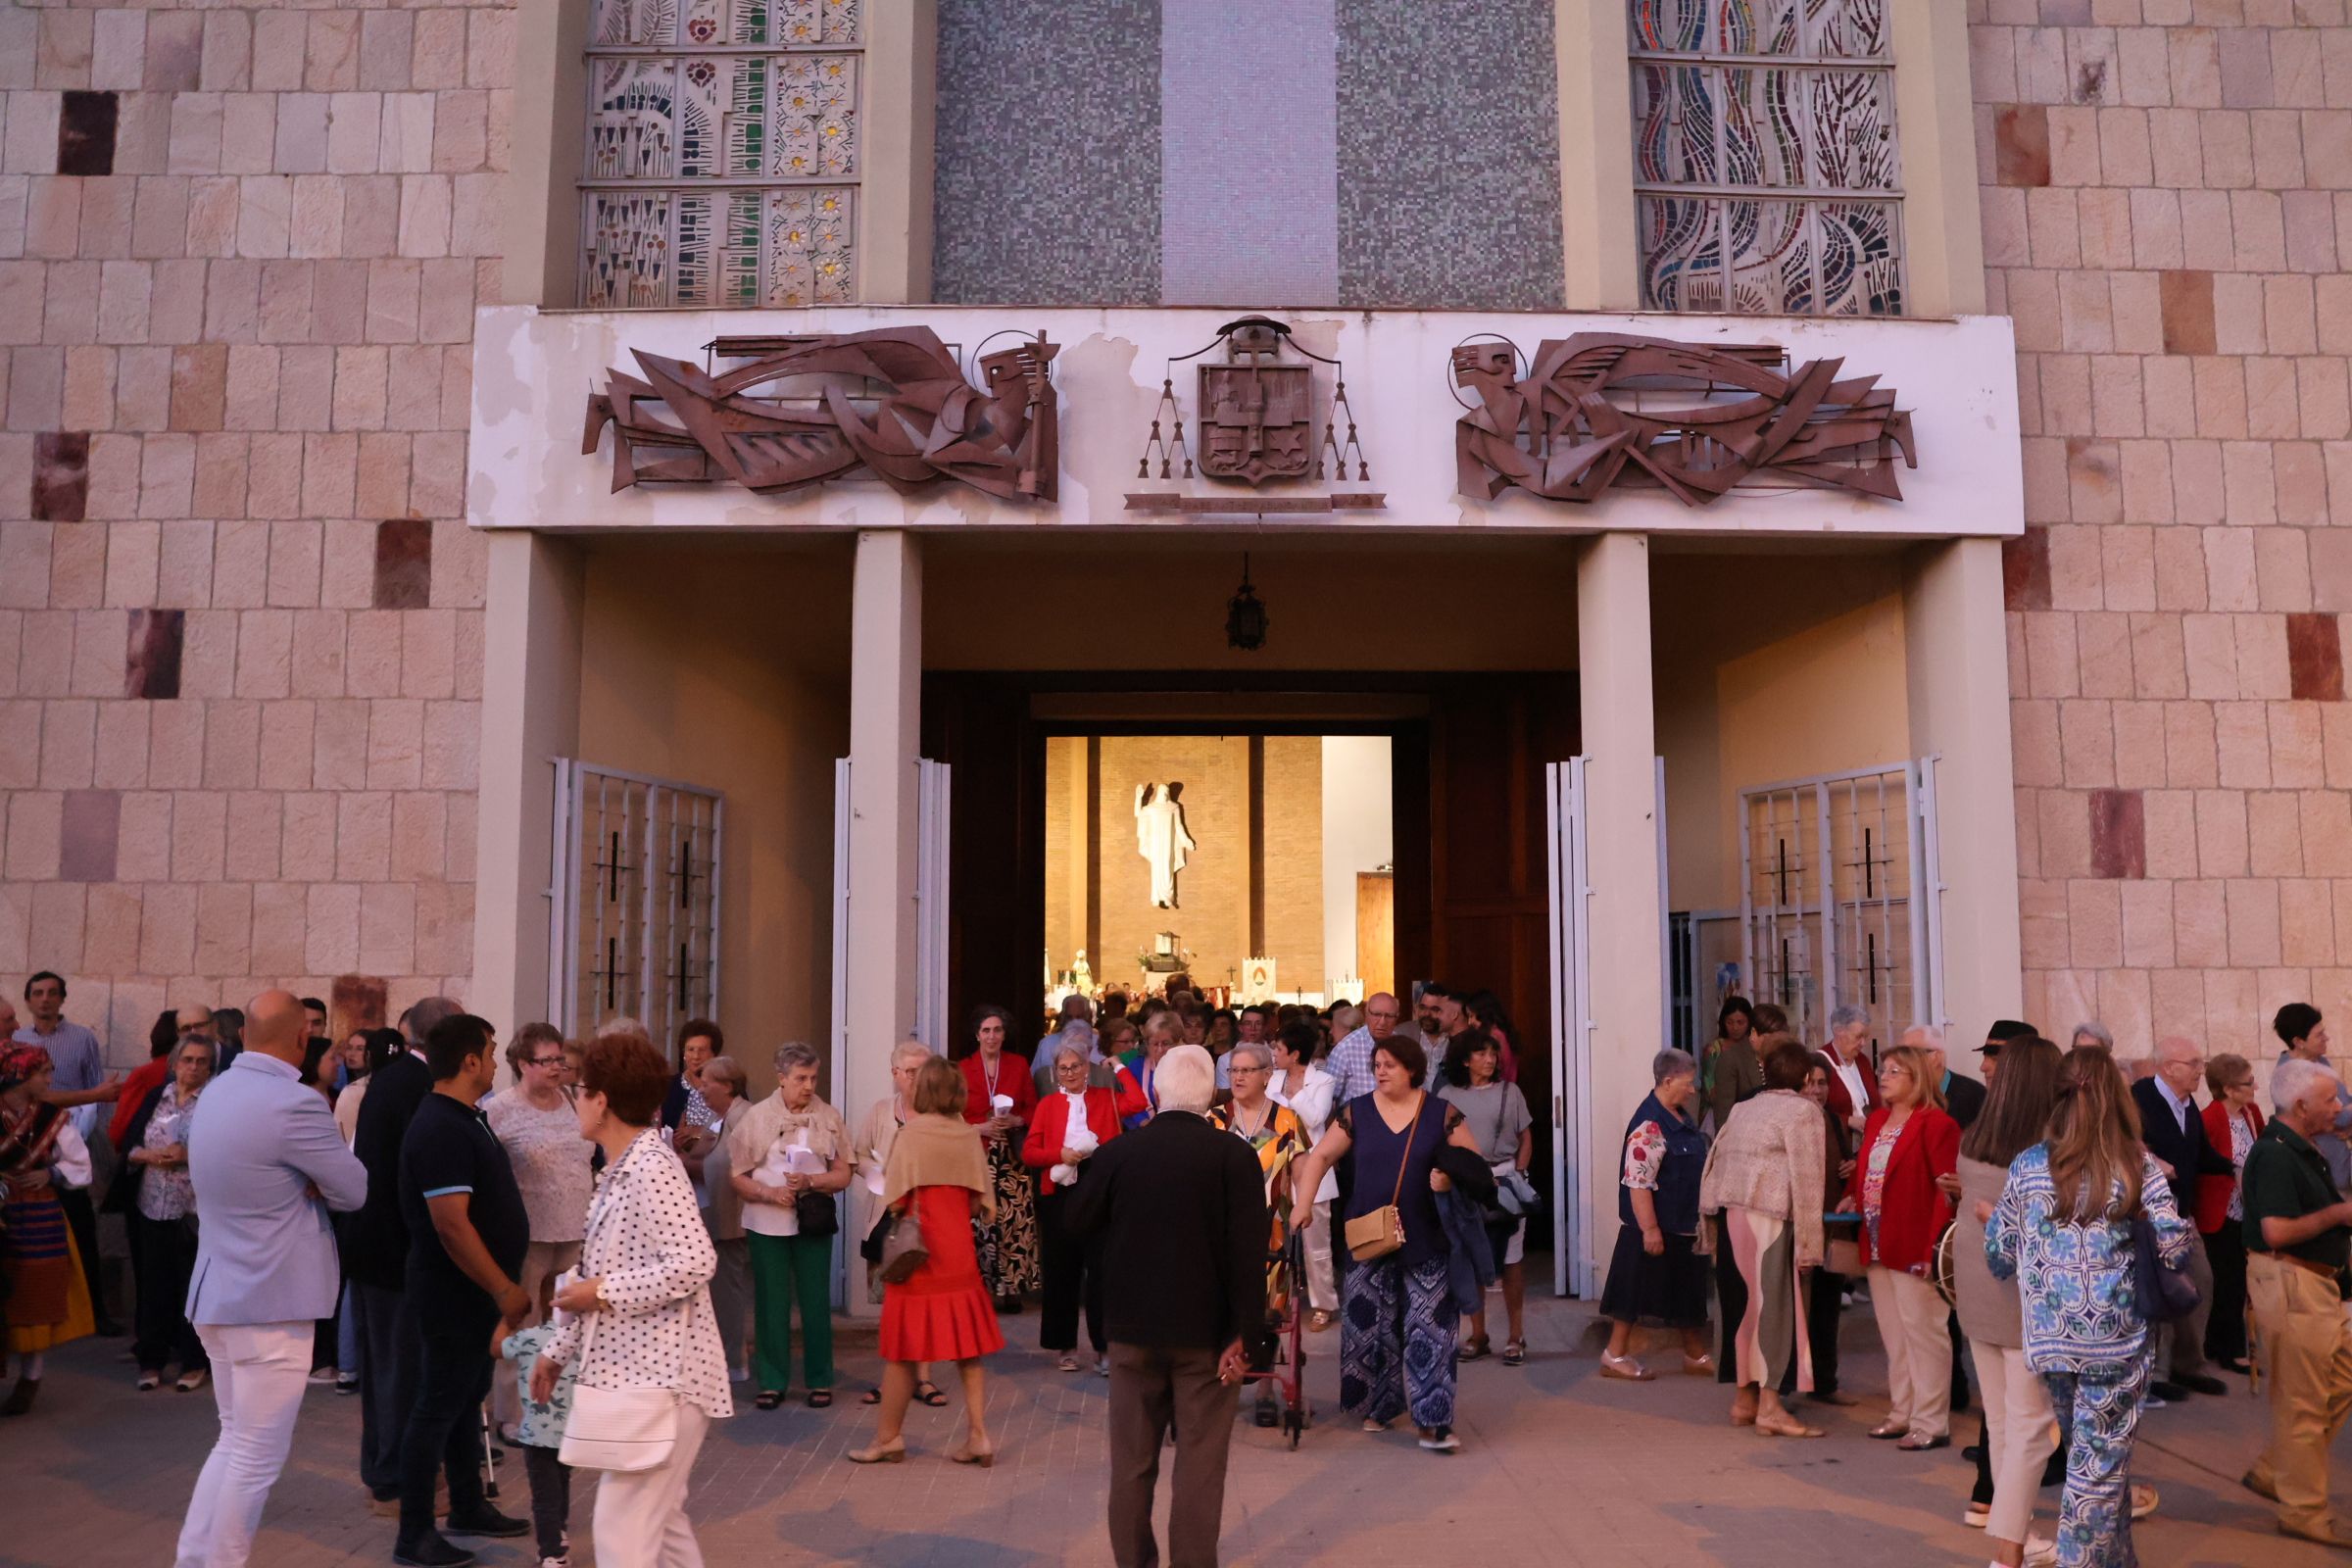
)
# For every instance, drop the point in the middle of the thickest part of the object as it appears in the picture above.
(2299, 1237)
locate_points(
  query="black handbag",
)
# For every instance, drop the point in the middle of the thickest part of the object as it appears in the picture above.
(817, 1213)
(2166, 1294)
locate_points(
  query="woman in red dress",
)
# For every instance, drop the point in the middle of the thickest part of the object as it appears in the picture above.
(938, 1171)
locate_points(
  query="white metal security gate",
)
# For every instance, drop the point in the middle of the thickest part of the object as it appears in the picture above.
(1572, 1262)
(635, 900)
(1837, 898)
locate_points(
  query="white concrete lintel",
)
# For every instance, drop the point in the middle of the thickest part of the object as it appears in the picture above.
(534, 370)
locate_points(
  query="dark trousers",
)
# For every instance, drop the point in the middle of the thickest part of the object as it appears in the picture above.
(1825, 1299)
(83, 1220)
(163, 1256)
(444, 1431)
(1960, 1359)
(1151, 1391)
(1073, 1279)
(550, 1498)
(2226, 1326)
(390, 1353)
(1731, 1305)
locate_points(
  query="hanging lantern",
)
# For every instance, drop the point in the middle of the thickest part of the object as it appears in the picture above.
(1245, 617)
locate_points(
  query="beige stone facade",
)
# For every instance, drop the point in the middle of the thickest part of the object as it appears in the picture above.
(241, 624)
(2165, 215)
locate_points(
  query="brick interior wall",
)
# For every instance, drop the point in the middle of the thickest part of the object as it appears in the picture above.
(240, 622)
(2166, 218)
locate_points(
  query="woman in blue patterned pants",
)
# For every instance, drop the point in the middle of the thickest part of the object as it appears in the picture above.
(2063, 1229)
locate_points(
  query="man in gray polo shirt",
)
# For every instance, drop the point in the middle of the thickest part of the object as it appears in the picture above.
(82, 1083)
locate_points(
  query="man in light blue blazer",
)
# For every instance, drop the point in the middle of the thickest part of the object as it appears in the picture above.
(267, 1165)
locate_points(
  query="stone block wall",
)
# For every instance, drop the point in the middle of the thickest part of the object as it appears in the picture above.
(2167, 190)
(240, 623)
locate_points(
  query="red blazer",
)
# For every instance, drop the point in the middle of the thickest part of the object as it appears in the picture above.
(1013, 1079)
(2213, 1192)
(1048, 1130)
(1842, 1103)
(1912, 1212)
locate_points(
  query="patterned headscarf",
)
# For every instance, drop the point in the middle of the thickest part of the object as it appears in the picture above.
(18, 1064)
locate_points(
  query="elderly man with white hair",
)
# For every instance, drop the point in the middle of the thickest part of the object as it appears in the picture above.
(2299, 1237)
(1963, 1096)
(1179, 1213)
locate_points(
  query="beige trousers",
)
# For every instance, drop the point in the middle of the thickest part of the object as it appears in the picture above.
(1912, 1320)
(641, 1514)
(2019, 1434)
(2306, 1353)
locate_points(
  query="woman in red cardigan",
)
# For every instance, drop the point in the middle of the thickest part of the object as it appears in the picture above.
(1070, 1124)
(1905, 1146)
(2233, 1122)
(994, 1072)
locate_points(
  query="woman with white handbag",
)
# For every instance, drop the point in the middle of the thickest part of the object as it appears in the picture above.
(637, 1321)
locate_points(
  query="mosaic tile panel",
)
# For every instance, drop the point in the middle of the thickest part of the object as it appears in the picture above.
(1842, 28)
(1448, 156)
(689, 24)
(1016, 217)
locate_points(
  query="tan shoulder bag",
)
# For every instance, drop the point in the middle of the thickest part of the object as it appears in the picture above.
(1382, 1232)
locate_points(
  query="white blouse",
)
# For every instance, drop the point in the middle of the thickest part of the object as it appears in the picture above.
(647, 1247)
(1311, 1103)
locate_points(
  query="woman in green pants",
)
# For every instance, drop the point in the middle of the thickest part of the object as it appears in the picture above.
(788, 1147)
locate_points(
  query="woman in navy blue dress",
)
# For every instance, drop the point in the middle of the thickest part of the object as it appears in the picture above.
(1398, 1314)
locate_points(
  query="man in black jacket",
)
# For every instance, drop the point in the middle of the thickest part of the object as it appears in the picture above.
(2174, 1129)
(1181, 1210)
(377, 1257)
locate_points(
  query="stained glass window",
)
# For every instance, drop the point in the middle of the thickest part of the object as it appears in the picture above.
(721, 165)
(1765, 174)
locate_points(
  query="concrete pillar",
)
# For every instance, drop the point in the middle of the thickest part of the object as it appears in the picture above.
(1596, 173)
(886, 679)
(531, 717)
(1628, 903)
(895, 160)
(1958, 662)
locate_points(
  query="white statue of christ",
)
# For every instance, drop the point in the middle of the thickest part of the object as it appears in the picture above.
(1160, 838)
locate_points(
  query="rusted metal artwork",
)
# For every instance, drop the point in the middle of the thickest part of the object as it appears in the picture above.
(804, 409)
(1604, 409)
(1255, 506)
(1256, 413)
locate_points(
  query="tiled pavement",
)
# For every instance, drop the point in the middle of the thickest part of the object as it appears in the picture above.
(1559, 1467)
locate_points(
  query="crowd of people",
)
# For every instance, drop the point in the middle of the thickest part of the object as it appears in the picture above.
(581, 1265)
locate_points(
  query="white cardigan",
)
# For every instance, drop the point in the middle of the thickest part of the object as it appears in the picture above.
(647, 1247)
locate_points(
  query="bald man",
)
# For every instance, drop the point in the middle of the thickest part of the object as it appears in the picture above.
(266, 1164)
(2173, 1126)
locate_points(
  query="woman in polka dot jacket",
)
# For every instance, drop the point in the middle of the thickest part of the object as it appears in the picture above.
(645, 1270)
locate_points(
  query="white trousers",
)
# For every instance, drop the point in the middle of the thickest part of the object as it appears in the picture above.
(259, 1373)
(641, 1514)
(1322, 1286)
(1919, 1350)
(2019, 1434)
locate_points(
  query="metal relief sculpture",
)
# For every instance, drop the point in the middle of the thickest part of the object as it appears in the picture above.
(804, 409)
(1604, 409)
(1255, 425)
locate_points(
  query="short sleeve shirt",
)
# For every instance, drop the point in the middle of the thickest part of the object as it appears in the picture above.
(1496, 1114)
(450, 1149)
(2287, 1178)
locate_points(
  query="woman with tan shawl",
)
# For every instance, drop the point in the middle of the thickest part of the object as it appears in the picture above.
(938, 1171)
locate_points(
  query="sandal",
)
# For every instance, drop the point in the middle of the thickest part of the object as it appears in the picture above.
(927, 1393)
(1319, 1322)
(1701, 1366)
(1626, 1367)
(769, 1400)
(1514, 1352)
(1069, 1363)
(870, 1396)
(1787, 1426)
(1744, 1408)
(820, 1399)
(1477, 1350)
(1371, 1425)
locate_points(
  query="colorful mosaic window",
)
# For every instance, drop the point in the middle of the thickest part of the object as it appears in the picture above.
(721, 156)
(1765, 174)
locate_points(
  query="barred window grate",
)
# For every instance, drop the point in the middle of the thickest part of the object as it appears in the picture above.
(636, 894)
(721, 157)
(1765, 170)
